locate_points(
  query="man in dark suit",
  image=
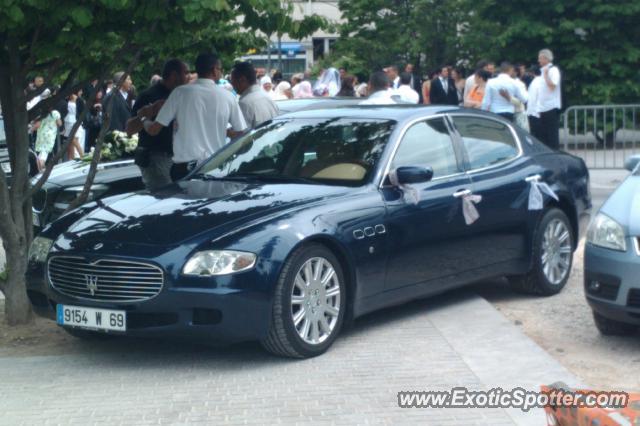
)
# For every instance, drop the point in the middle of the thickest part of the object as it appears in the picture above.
(443, 89)
(120, 110)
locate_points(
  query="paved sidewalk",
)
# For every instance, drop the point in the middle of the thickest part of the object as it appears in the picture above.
(454, 340)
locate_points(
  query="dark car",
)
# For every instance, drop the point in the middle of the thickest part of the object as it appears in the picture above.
(67, 181)
(612, 259)
(311, 220)
(117, 177)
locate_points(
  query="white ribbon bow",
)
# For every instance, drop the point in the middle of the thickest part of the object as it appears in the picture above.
(411, 193)
(536, 201)
(469, 209)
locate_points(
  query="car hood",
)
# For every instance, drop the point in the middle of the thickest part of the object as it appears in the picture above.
(624, 205)
(74, 173)
(187, 209)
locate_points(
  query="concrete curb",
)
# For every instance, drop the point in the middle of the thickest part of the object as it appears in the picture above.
(497, 352)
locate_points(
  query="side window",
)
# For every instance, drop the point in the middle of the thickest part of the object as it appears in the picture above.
(428, 144)
(487, 142)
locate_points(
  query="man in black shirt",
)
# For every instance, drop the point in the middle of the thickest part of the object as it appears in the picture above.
(154, 152)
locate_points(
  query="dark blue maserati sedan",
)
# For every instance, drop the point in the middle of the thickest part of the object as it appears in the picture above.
(311, 220)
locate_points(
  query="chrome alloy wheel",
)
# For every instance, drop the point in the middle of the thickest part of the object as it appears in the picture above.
(315, 300)
(556, 251)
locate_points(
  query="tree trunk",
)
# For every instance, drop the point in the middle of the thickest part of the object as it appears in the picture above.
(15, 215)
(268, 72)
(279, 53)
(17, 308)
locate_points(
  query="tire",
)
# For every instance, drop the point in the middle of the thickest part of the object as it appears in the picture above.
(87, 334)
(543, 279)
(312, 306)
(609, 327)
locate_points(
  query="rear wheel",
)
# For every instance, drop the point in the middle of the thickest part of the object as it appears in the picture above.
(609, 327)
(552, 256)
(309, 304)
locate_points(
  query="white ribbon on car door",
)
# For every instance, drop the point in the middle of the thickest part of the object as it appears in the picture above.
(469, 209)
(536, 200)
(411, 193)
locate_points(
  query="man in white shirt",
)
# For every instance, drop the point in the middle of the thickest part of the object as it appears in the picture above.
(532, 105)
(499, 90)
(201, 111)
(256, 106)
(392, 75)
(405, 92)
(549, 101)
(380, 94)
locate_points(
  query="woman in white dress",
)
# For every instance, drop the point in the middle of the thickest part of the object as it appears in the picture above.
(75, 148)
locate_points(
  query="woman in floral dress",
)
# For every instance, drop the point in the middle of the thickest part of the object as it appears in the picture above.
(46, 137)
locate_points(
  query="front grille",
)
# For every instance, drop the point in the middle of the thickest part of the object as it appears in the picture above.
(39, 200)
(104, 280)
(633, 299)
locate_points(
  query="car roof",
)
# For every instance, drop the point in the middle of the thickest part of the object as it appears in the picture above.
(292, 105)
(399, 112)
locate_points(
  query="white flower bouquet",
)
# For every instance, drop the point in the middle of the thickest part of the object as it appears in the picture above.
(116, 145)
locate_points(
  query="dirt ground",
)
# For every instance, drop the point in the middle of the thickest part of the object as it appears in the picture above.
(563, 326)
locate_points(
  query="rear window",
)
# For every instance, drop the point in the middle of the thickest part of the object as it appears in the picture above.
(486, 141)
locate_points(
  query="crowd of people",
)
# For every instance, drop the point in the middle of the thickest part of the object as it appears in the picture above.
(184, 117)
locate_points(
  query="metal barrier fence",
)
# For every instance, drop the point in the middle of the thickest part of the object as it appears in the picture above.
(602, 135)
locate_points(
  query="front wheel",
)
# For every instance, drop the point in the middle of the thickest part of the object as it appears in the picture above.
(309, 304)
(552, 256)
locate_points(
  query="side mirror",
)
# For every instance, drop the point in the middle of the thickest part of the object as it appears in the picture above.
(413, 174)
(632, 162)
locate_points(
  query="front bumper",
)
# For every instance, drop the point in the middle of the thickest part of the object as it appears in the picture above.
(227, 310)
(617, 296)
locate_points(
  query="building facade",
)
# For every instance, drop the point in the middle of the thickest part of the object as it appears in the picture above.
(300, 55)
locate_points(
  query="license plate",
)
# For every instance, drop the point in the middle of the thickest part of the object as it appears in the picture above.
(91, 318)
(36, 219)
(6, 167)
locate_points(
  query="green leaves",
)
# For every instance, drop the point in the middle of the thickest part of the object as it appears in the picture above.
(82, 16)
(15, 13)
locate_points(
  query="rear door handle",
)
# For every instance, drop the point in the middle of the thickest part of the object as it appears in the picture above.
(534, 178)
(462, 193)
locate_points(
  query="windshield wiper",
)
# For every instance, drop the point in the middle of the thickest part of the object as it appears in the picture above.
(204, 176)
(270, 178)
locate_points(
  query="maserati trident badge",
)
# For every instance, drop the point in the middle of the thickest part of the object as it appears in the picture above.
(92, 283)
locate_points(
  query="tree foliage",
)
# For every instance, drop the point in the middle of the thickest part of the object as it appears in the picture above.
(71, 42)
(377, 33)
(595, 43)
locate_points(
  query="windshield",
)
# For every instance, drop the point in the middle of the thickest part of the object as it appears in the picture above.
(336, 151)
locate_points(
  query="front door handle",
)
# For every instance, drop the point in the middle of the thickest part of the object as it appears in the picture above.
(462, 193)
(534, 178)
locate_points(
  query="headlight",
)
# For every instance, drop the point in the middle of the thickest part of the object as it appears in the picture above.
(69, 194)
(219, 262)
(39, 249)
(606, 232)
